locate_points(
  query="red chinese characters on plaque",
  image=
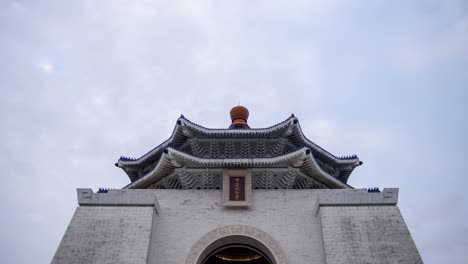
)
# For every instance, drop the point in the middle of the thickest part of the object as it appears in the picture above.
(236, 188)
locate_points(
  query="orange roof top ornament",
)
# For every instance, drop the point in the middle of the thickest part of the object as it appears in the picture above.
(239, 116)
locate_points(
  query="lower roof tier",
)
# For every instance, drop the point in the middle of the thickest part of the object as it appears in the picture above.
(178, 170)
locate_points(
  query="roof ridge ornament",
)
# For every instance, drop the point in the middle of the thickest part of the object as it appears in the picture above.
(239, 116)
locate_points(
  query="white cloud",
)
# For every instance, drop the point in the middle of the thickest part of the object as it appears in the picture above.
(46, 67)
(431, 38)
(35, 217)
(323, 131)
(99, 100)
(340, 138)
(15, 5)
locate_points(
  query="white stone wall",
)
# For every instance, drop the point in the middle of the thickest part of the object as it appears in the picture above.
(367, 234)
(288, 216)
(308, 226)
(106, 235)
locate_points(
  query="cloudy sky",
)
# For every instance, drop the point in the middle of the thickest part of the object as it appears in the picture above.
(84, 82)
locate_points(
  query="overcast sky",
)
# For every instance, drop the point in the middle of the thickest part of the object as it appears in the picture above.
(84, 82)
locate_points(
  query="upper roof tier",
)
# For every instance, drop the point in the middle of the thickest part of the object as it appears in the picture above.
(238, 142)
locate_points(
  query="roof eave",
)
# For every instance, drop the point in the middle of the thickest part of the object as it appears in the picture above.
(345, 160)
(172, 159)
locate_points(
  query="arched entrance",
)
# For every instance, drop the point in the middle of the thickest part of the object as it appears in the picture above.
(237, 254)
(236, 244)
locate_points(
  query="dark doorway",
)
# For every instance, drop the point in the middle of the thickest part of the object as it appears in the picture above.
(237, 254)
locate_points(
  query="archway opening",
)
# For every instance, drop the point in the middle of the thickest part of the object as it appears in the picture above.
(226, 238)
(237, 254)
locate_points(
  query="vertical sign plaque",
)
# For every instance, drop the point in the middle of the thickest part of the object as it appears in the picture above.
(237, 188)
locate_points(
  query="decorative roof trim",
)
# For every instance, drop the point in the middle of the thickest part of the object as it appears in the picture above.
(285, 122)
(172, 159)
(123, 161)
(275, 162)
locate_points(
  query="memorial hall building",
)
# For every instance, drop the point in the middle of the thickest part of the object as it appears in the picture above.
(238, 195)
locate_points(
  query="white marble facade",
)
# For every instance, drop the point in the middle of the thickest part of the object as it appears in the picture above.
(288, 226)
